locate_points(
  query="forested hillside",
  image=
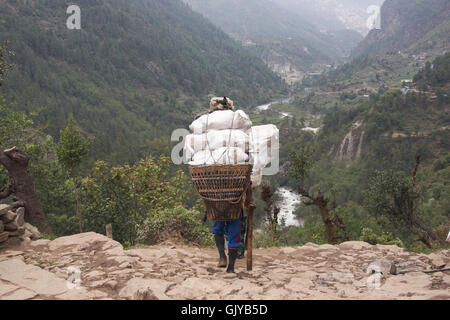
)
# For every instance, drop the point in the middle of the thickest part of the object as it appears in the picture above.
(366, 146)
(283, 39)
(412, 33)
(436, 73)
(136, 70)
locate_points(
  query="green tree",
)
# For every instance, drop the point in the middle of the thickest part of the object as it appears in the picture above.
(301, 163)
(395, 196)
(12, 124)
(4, 65)
(71, 149)
(17, 178)
(55, 191)
(128, 196)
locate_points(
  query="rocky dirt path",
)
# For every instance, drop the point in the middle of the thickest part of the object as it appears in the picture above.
(39, 270)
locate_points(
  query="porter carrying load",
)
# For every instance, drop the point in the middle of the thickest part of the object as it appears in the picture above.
(226, 157)
(218, 151)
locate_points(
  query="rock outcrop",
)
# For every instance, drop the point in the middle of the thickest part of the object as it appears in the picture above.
(13, 225)
(403, 23)
(92, 266)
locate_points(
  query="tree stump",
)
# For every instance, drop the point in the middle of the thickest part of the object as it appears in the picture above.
(21, 184)
(109, 231)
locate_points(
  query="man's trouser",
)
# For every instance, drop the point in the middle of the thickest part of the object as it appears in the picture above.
(232, 229)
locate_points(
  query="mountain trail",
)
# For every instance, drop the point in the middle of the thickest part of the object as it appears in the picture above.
(92, 266)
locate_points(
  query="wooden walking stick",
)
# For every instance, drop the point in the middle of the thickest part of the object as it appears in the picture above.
(250, 208)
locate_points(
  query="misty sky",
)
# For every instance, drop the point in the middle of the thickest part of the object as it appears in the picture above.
(332, 14)
(344, 2)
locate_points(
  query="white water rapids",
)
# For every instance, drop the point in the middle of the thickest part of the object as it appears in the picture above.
(288, 199)
(287, 204)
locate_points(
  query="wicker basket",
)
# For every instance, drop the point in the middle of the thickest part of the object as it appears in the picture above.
(222, 188)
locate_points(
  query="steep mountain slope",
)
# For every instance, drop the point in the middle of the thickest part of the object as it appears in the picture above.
(363, 132)
(333, 14)
(435, 42)
(403, 23)
(136, 70)
(286, 41)
(393, 124)
(412, 33)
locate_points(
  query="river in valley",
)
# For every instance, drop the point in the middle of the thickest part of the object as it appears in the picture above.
(267, 106)
(287, 204)
(288, 199)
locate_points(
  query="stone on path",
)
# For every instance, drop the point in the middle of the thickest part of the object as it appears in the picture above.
(31, 277)
(18, 232)
(6, 288)
(8, 216)
(20, 294)
(11, 226)
(38, 270)
(20, 216)
(383, 266)
(145, 289)
(354, 245)
(4, 208)
(3, 236)
(35, 234)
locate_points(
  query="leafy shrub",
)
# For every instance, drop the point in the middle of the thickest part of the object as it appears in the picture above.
(63, 225)
(177, 222)
(126, 196)
(371, 237)
(441, 163)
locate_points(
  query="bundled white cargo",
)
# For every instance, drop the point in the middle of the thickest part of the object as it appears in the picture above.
(256, 178)
(215, 139)
(263, 139)
(227, 137)
(224, 155)
(221, 120)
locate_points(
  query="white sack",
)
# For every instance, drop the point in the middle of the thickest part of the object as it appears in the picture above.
(215, 139)
(220, 120)
(256, 178)
(263, 140)
(222, 155)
